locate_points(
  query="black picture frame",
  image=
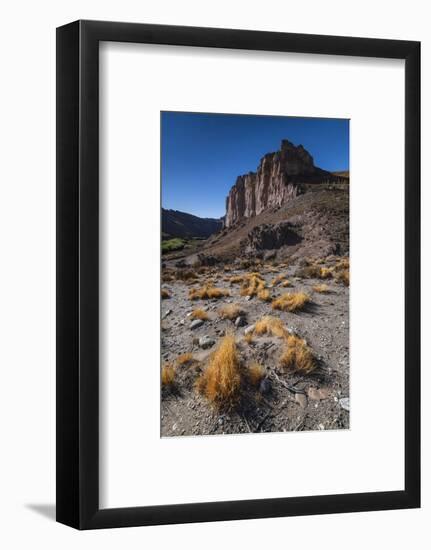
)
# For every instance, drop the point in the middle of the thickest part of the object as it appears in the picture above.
(78, 274)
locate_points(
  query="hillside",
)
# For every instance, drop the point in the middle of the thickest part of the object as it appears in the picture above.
(186, 226)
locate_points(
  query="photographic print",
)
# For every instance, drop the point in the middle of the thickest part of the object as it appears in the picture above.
(254, 274)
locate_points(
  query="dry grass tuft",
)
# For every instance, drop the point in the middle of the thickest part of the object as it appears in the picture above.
(344, 277)
(264, 295)
(273, 326)
(297, 356)
(255, 373)
(230, 311)
(185, 359)
(286, 283)
(253, 283)
(248, 338)
(199, 314)
(325, 273)
(186, 275)
(322, 289)
(277, 280)
(165, 294)
(235, 279)
(343, 264)
(221, 381)
(168, 375)
(207, 292)
(291, 301)
(315, 272)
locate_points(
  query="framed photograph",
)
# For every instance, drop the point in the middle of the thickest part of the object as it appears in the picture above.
(238, 282)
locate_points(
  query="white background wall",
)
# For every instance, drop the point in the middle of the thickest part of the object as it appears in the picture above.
(27, 274)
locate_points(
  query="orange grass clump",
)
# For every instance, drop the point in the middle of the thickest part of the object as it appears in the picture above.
(185, 358)
(230, 311)
(291, 301)
(236, 279)
(325, 273)
(207, 292)
(273, 326)
(255, 373)
(277, 280)
(297, 356)
(165, 294)
(286, 283)
(322, 289)
(344, 277)
(264, 295)
(220, 383)
(168, 375)
(199, 314)
(253, 284)
(248, 338)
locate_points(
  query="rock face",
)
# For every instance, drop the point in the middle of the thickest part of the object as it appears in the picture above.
(272, 236)
(274, 183)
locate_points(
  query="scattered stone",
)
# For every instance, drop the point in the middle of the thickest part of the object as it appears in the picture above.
(240, 321)
(206, 342)
(248, 298)
(196, 324)
(345, 403)
(249, 329)
(166, 313)
(181, 322)
(301, 399)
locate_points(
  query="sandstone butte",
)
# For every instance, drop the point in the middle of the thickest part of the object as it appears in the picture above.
(277, 180)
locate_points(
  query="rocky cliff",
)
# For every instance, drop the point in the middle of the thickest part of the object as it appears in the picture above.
(277, 180)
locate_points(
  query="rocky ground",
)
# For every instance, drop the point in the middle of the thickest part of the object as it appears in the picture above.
(283, 400)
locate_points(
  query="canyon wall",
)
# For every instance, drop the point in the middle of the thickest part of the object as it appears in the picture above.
(274, 183)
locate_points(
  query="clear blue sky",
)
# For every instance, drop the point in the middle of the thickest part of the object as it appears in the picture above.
(202, 154)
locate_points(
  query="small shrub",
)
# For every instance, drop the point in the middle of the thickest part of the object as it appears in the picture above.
(230, 311)
(207, 292)
(252, 284)
(248, 338)
(273, 326)
(220, 383)
(236, 279)
(344, 277)
(186, 275)
(297, 356)
(321, 289)
(285, 284)
(184, 359)
(165, 294)
(255, 373)
(325, 273)
(168, 376)
(291, 301)
(343, 264)
(277, 280)
(199, 314)
(264, 295)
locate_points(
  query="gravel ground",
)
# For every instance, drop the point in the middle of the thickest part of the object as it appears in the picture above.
(285, 402)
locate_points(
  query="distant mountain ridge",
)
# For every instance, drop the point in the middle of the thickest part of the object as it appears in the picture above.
(184, 225)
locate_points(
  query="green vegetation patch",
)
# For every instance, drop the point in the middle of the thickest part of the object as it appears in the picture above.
(173, 244)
